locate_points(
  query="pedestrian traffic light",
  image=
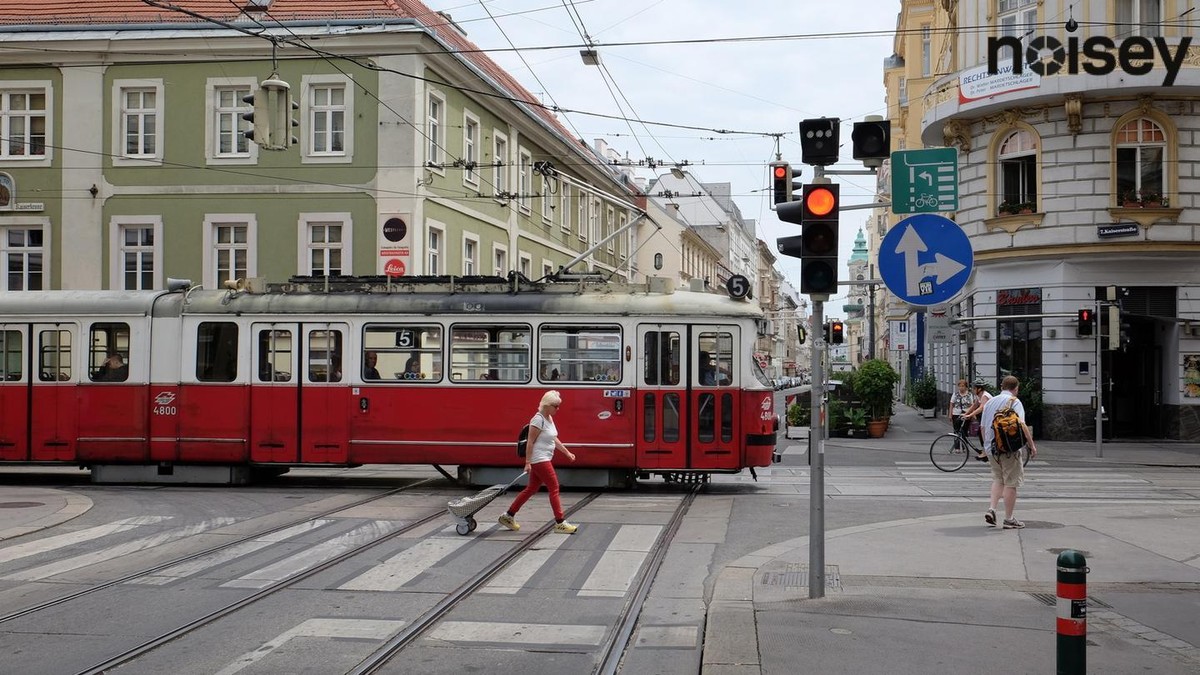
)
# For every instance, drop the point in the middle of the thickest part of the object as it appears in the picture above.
(819, 238)
(272, 114)
(781, 182)
(1085, 318)
(837, 332)
(872, 140)
(819, 141)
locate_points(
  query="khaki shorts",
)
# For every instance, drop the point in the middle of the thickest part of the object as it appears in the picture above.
(1008, 469)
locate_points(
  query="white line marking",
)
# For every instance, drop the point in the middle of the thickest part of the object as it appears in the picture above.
(514, 578)
(519, 633)
(62, 540)
(346, 629)
(309, 558)
(405, 565)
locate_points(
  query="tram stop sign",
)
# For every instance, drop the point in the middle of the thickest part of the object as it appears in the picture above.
(925, 259)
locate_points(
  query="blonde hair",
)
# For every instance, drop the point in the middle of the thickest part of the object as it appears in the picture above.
(551, 397)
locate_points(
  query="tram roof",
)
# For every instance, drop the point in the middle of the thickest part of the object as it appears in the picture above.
(456, 298)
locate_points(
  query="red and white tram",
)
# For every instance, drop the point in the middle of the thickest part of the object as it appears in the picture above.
(196, 385)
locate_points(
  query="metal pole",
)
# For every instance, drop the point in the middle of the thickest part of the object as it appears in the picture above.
(871, 323)
(816, 483)
(1099, 388)
(1072, 613)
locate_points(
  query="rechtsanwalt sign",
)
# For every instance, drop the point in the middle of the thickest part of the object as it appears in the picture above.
(1097, 55)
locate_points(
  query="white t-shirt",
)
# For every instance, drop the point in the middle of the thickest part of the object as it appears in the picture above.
(993, 406)
(543, 447)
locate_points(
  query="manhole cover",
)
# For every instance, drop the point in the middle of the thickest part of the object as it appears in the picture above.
(19, 505)
(795, 575)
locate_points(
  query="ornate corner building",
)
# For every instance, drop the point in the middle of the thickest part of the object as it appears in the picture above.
(1076, 175)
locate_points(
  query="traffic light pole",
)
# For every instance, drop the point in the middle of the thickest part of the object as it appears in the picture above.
(816, 448)
(1099, 385)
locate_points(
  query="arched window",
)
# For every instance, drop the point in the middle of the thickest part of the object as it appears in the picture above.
(1141, 160)
(1017, 157)
(658, 261)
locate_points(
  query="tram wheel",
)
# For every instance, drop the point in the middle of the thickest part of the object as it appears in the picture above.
(463, 528)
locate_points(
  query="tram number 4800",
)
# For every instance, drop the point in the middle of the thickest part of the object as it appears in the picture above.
(164, 410)
(162, 403)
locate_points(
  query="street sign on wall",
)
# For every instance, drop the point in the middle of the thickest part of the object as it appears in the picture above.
(925, 181)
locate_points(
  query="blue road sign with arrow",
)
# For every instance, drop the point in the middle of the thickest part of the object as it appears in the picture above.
(925, 259)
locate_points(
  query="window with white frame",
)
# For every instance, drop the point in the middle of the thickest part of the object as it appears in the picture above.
(524, 179)
(902, 90)
(547, 201)
(22, 258)
(1140, 17)
(325, 248)
(1016, 17)
(435, 129)
(926, 51)
(1017, 157)
(229, 139)
(564, 196)
(525, 264)
(327, 119)
(470, 149)
(229, 248)
(499, 165)
(435, 252)
(137, 252)
(470, 254)
(621, 220)
(499, 261)
(1141, 161)
(139, 115)
(22, 123)
(610, 219)
(583, 200)
(547, 268)
(593, 219)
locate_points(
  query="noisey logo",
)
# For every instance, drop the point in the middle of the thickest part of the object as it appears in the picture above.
(1100, 55)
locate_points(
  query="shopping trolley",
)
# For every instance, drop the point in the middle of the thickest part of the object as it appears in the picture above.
(464, 509)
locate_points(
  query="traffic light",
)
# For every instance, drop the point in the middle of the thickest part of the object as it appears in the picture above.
(819, 141)
(801, 334)
(837, 332)
(272, 114)
(781, 182)
(819, 238)
(1085, 318)
(872, 140)
(1114, 327)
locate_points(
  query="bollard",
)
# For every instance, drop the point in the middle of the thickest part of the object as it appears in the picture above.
(1072, 613)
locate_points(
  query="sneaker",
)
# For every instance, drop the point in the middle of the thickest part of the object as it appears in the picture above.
(565, 528)
(1013, 524)
(990, 517)
(507, 521)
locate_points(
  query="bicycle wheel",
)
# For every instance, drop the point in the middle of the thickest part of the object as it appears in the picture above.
(944, 454)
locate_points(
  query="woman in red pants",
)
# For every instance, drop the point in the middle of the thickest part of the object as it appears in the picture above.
(542, 444)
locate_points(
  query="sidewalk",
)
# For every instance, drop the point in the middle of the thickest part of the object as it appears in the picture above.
(29, 509)
(946, 594)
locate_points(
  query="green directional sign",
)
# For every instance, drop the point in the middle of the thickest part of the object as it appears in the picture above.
(925, 181)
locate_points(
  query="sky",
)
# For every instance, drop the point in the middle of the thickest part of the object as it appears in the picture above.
(709, 65)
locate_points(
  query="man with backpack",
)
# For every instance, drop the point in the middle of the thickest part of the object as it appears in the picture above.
(1004, 432)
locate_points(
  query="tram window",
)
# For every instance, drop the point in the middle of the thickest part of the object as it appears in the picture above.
(216, 351)
(275, 358)
(54, 355)
(402, 353)
(660, 353)
(10, 355)
(671, 416)
(490, 353)
(649, 417)
(580, 353)
(705, 417)
(726, 418)
(108, 352)
(324, 355)
(714, 359)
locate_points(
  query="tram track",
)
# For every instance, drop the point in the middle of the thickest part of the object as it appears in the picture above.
(617, 639)
(33, 609)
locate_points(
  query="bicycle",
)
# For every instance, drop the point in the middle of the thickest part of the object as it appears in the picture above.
(950, 451)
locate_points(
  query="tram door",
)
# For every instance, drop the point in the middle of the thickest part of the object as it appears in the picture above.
(714, 398)
(14, 393)
(324, 398)
(274, 393)
(53, 423)
(662, 397)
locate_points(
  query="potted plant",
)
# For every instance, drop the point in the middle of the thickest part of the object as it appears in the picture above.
(1026, 207)
(923, 391)
(799, 420)
(1152, 200)
(839, 422)
(856, 419)
(1008, 208)
(1129, 199)
(873, 384)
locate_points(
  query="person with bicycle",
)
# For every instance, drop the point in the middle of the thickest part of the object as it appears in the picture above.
(1008, 470)
(960, 402)
(982, 396)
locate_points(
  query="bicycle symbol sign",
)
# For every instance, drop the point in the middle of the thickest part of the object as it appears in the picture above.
(925, 181)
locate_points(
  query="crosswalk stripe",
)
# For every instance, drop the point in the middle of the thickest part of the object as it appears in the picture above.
(187, 569)
(62, 540)
(614, 573)
(76, 562)
(313, 556)
(405, 565)
(523, 633)
(341, 629)
(516, 575)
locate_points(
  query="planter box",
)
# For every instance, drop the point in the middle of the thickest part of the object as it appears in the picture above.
(796, 433)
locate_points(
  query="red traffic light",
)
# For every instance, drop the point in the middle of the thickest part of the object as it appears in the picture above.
(820, 201)
(781, 172)
(1085, 317)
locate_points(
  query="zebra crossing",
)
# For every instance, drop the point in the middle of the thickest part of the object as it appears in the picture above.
(1044, 480)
